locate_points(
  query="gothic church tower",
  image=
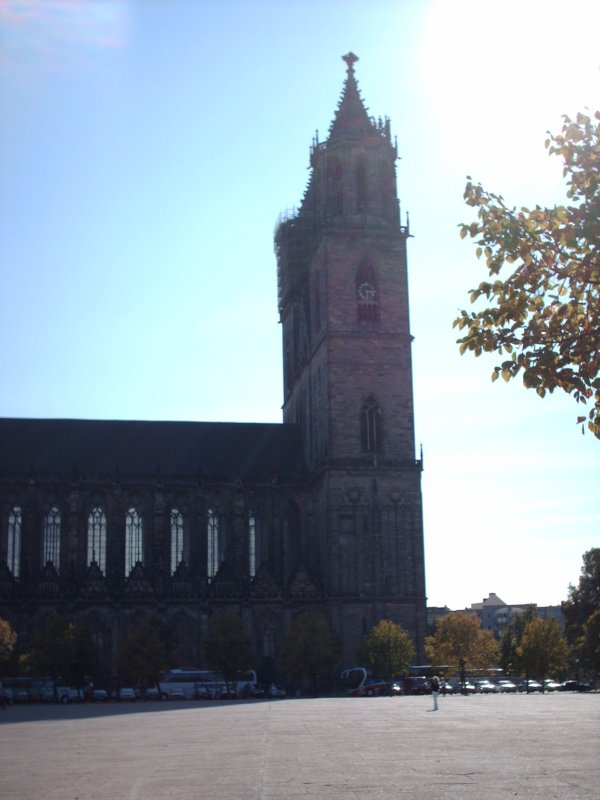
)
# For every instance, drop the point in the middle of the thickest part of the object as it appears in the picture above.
(343, 300)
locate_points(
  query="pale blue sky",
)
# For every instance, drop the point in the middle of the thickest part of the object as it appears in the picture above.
(148, 147)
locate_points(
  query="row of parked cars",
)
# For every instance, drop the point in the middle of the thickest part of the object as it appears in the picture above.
(422, 685)
(65, 694)
(505, 686)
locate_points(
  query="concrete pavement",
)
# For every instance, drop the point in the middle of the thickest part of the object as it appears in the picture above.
(475, 748)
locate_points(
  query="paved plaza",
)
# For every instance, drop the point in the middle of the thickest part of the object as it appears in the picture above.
(474, 748)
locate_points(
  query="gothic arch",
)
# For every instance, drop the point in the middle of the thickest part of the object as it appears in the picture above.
(371, 426)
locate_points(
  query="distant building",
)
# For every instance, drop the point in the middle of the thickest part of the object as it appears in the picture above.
(105, 521)
(495, 614)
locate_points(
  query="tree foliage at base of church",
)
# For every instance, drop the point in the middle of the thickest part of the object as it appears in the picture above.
(144, 652)
(460, 643)
(311, 649)
(543, 649)
(227, 648)
(388, 650)
(582, 613)
(8, 639)
(543, 317)
(61, 649)
(510, 642)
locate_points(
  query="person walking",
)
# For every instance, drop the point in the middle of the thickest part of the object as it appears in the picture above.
(435, 691)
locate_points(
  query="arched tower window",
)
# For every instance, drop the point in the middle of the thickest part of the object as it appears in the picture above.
(361, 186)
(367, 295)
(335, 201)
(13, 542)
(371, 428)
(257, 544)
(51, 538)
(178, 542)
(96, 538)
(214, 543)
(134, 540)
(252, 544)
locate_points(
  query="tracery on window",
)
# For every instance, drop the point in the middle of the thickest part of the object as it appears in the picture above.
(51, 538)
(134, 540)
(13, 542)
(371, 433)
(96, 538)
(178, 541)
(367, 295)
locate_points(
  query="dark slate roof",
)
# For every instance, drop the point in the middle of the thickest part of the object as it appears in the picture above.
(103, 448)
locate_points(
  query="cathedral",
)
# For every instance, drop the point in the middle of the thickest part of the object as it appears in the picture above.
(105, 521)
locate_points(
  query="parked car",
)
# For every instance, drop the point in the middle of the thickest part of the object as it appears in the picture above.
(127, 693)
(465, 687)
(64, 694)
(417, 684)
(152, 693)
(575, 686)
(551, 685)
(100, 696)
(9, 696)
(226, 692)
(506, 687)
(445, 687)
(485, 687)
(275, 691)
(529, 686)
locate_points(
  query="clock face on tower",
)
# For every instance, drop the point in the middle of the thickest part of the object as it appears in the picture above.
(366, 293)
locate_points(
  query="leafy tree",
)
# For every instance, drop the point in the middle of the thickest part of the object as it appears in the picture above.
(545, 315)
(61, 649)
(510, 660)
(227, 648)
(543, 648)
(145, 652)
(581, 611)
(589, 644)
(311, 649)
(460, 642)
(8, 639)
(388, 650)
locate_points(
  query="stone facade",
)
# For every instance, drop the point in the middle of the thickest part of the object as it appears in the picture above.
(104, 521)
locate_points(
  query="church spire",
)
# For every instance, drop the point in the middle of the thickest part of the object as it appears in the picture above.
(351, 119)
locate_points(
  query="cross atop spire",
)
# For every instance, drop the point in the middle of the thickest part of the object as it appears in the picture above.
(350, 60)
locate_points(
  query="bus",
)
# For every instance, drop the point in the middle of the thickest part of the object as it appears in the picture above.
(196, 684)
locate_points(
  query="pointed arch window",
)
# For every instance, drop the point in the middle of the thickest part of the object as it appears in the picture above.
(13, 542)
(51, 538)
(257, 545)
(214, 543)
(96, 538)
(178, 539)
(252, 544)
(134, 540)
(367, 294)
(335, 197)
(371, 428)
(361, 186)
